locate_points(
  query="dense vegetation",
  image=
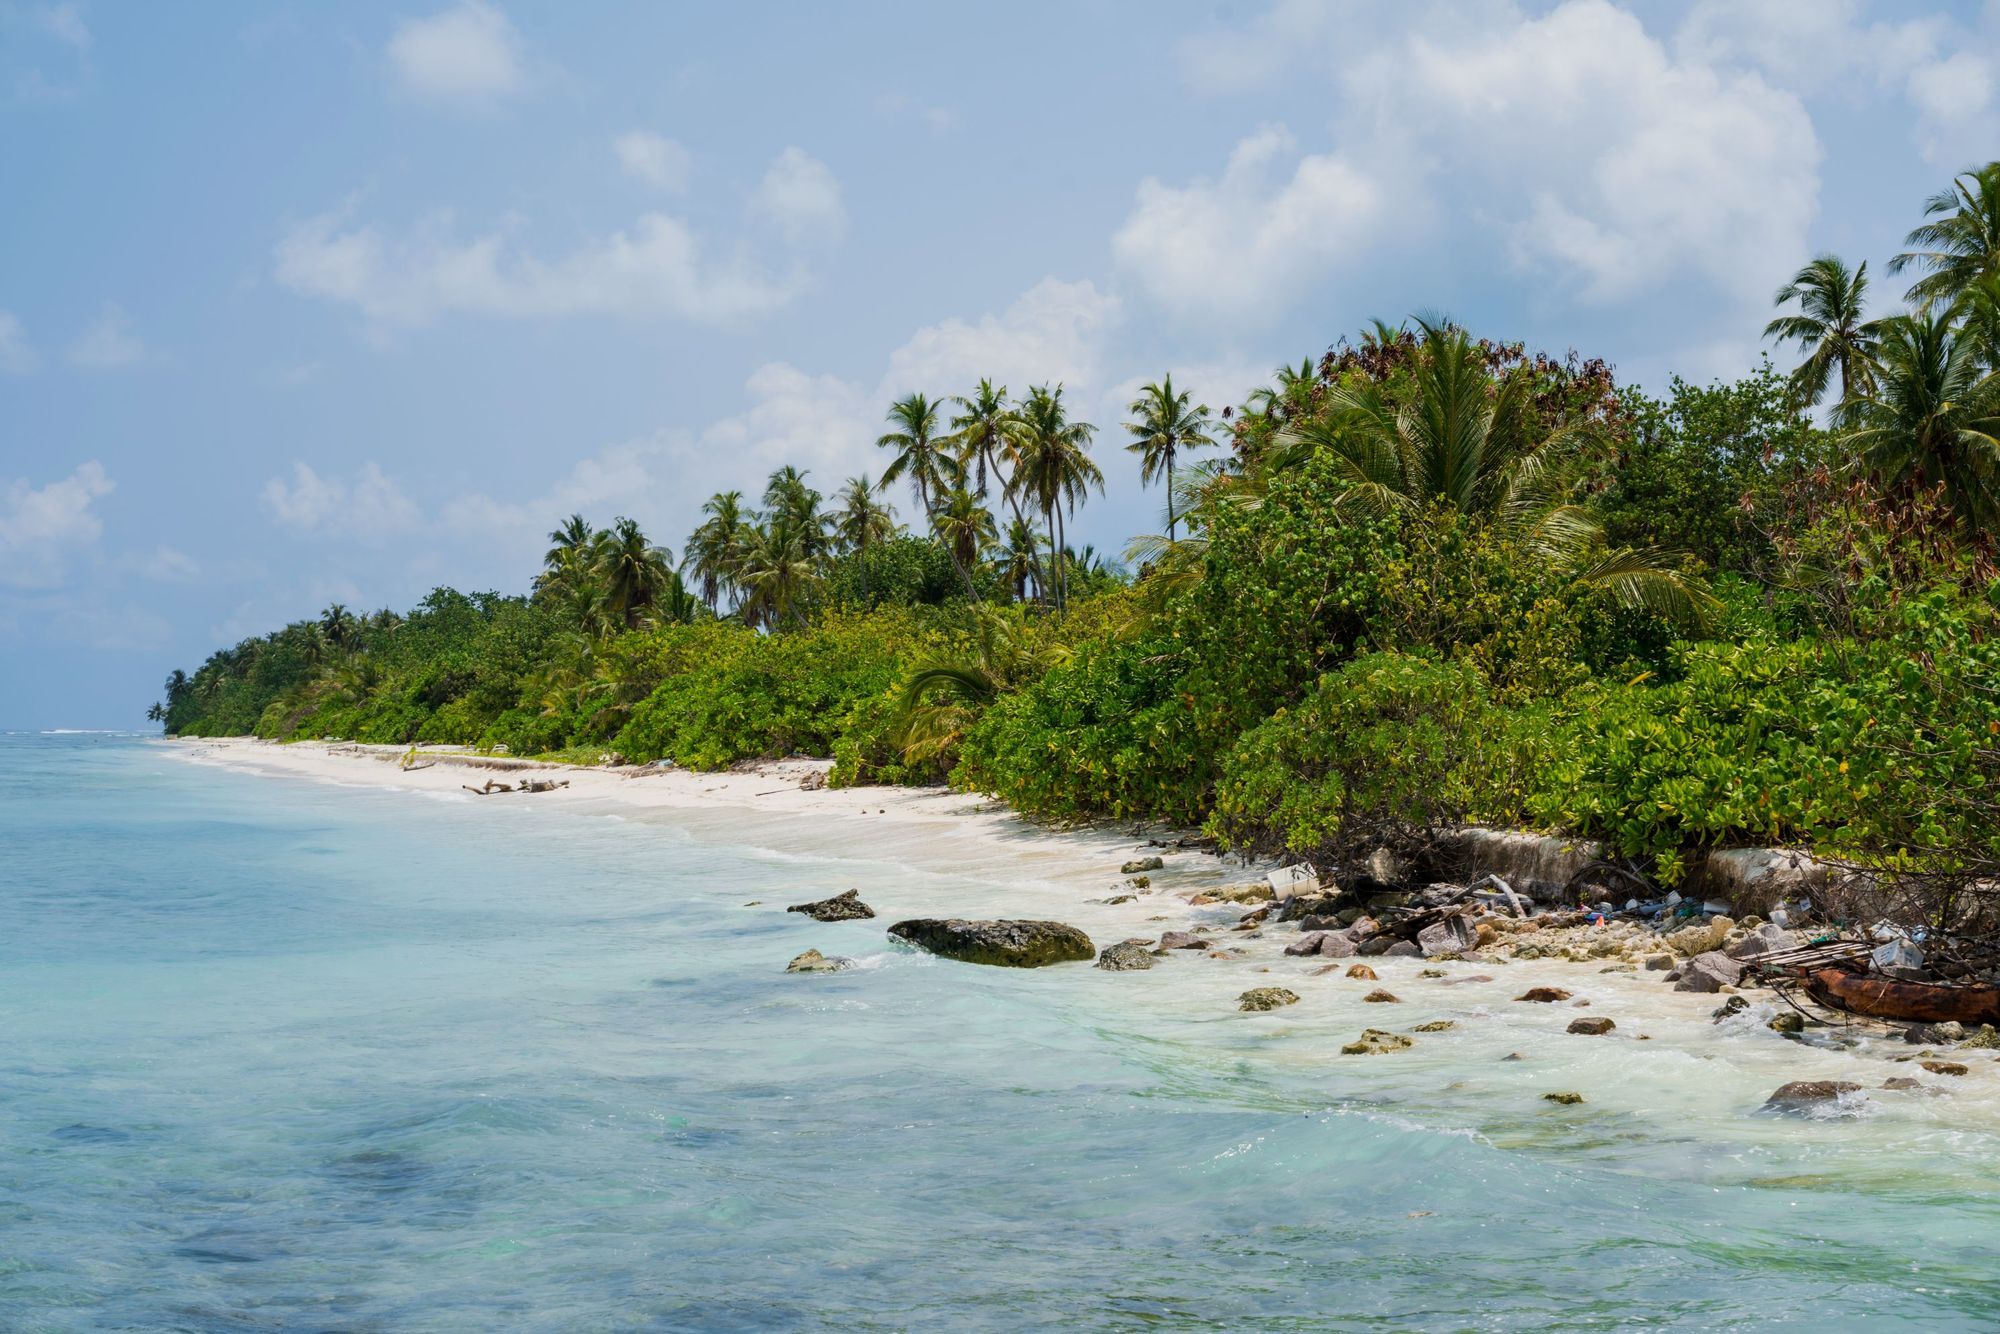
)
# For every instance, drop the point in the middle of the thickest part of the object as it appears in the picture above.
(1424, 580)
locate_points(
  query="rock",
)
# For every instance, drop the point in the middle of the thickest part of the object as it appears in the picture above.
(1375, 1042)
(1513, 1056)
(846, 907)
(1803, 1093)
(1565, 1099)
(1710, 972)
(1125, 957)
(1380, 997)
(1431, 972)
(1984, 1036)
(1946, 1067)
(1403, 949)
(1469, 977)
(1435, 1026)
(1659, 963)
(1701, 938)
(1766, 939)
(1266, 998)
(1255, 891)
(1454, 935)
(1901, 1082)
(1141, 882)
(1543, 995)
(1183, 940)
(1734, 1005)
(1788, 1022)
(1363, 971)
(1948, 1031)
(1535, 866)
(1308, 944)
(1142, 865)
(1006, 944)
(812, 961)
(1594, 1028)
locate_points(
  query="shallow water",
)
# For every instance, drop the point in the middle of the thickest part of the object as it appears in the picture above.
(288, 1055)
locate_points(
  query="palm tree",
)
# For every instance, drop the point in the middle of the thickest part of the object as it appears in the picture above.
(1165, 426)
(572, 551)
(339, 627)
(779, 568)
(1457, 439)
(1291, 397)
(861, 521)
(921, 451)
(984, 432)
(1830, 325)
(964, 526)
(634, 573)
(1018, 558)
(1933, 416)
(715, 549)
(1962, 242)
(1056, 469)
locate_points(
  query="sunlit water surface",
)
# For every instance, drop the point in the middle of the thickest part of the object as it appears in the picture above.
(287, 1055)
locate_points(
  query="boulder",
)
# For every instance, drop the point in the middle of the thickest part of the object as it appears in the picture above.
(1734, 1005)
(1945, 1067)
(1183, 940)
(1375, 1042)
(1659, 963)
(1308, 944)
(1766, 939)
(1564, 1099)
(846, 907)
(1380, 997)
(1804, 1093)
(1006, 944)
(1454, 935)
(1266, 998)
(1543, 995)
(1709, 972)
(1595, 1028)
(1435, 1026)
(1362, 971)
(812, 961)
(1983, 1036)
(1901, 1082)
(1254, 891)
(1701, 938)
(1125, 957)
(1788, 1022)
(1403, 949)
(1142, 865)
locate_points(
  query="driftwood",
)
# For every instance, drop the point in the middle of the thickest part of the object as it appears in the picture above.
(1884, 998)
(493, 788)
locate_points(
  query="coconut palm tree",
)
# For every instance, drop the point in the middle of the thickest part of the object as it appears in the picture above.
(1457, 439)
(715, 549)
(634, 573)
(1165, 426)
(984, 431)
(861, 521)
(779, 570)
(1961, 243)
(923, 451)
(789, 500)
(964, 526)
(1056, 469)
(1292, 394)
(1017, 560)
(1831, 324)
(1932, 417)
(339, 627)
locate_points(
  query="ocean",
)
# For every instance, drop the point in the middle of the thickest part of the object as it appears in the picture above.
(292, 1055)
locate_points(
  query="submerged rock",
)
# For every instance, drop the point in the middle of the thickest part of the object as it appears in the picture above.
(846, 907)
(1375, 1042)
(1005, 944)
(1435, 1026)
(1363, 971)
(1901, 1082)
(1125, 957)
(1266, 998)
(812, 961)
(1805, 1093)
(1595, 1028)
(1543, 995)
(1946, 1067)
(1788, 1022)
(1565, 1099)
(1142, 865)
(1380, 997)
(1182, 940)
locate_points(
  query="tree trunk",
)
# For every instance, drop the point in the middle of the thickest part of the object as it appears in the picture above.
(1172, 537)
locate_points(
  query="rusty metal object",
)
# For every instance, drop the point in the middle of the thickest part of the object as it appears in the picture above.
(1884, 998)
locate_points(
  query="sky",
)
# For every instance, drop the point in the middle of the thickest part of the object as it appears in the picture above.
(305, 303)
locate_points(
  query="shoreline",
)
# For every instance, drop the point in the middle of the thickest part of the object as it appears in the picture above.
(987, 862)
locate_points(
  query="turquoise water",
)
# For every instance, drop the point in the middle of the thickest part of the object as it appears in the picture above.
(288, 1055)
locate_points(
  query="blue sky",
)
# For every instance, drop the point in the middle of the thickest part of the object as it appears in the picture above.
(303, 303)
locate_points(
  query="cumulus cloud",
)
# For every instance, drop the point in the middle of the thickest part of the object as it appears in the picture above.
(800, 197)
(1055, 331)
(623, 478)
(1247, 239)
(17, 355)
(468, 56)
(41, 526)
(371, 507)
(654, 267)
(109, 342)
(654, 159)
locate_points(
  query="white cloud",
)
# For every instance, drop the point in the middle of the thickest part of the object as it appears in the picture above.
(17, 355)
(1055, 331)
(1212, 249)
(653, 158)
(653, 268)
(108, 343)
(940, 121)
(817, 422)
(621, 478)
(1231, 60)
(64, 22)
(166, 565)
(40, 526)
(800, 196)
(469, 56)
(369, 508)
